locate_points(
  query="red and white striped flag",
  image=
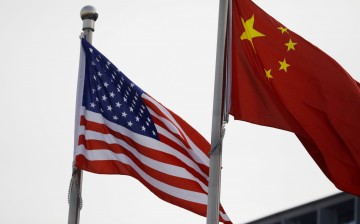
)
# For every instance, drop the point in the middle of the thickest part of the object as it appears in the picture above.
(123, 130)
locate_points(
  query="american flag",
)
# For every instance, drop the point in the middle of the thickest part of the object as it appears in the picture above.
(123, 130)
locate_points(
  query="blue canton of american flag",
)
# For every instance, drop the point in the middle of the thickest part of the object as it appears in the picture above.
(122, 130)
(109, 92)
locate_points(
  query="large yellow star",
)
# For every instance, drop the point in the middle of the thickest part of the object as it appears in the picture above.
(290, 45)
(250, 32)
(283, 65)
(268, 74)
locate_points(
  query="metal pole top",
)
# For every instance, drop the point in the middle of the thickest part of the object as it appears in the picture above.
(89, 16)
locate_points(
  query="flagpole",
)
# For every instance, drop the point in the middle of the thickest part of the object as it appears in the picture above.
(217, 120)
(89, 16)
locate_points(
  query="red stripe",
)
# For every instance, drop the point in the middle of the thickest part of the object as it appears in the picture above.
(196, 137)
(170, 142)
(153, 107)
(203, 168)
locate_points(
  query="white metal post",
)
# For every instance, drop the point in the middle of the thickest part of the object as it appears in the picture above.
(218, 119)
(89, 16)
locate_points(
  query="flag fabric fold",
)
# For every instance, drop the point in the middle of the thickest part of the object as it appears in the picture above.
(281, 80)
(123, 130)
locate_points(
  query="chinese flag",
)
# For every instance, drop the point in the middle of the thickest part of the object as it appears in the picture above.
(283, 81)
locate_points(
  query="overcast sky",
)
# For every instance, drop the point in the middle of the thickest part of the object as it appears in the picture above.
(167, 48)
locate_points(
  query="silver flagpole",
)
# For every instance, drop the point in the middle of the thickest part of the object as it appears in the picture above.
(89, 16)
(217, 119)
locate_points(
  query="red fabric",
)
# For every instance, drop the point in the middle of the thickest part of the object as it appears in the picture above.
(312, 95)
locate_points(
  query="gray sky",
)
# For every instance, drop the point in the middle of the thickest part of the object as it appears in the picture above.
(167, 48)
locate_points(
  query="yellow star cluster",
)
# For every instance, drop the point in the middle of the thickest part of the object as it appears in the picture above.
(283, 64)
(251, 33)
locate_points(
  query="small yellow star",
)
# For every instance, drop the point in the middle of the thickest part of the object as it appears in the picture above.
(283, 29)
(250, 32)
(291, 45)
(268, 74)
(283, 65)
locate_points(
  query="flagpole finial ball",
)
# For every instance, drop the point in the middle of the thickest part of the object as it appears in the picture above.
(88, 12)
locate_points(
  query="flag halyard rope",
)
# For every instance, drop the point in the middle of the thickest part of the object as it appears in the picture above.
(78, 191)
(220, 140)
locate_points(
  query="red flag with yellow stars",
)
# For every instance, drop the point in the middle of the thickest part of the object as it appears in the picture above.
(283, 81)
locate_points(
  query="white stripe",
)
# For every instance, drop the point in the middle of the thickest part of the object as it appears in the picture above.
(170, 136)
(155, 164)
(94, 155)
(167, 123)
(200, 156)
(224, 216)
(142, 140)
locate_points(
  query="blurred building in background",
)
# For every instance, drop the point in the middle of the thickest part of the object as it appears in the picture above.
(341, 208)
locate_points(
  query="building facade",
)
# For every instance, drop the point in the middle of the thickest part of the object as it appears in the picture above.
(341, 208)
